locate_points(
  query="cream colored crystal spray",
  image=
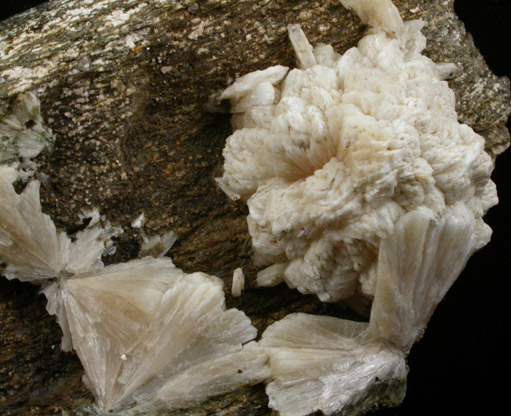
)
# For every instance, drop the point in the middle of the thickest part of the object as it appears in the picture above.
(360, 183)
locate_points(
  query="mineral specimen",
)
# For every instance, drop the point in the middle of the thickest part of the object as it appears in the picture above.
(359, 181)
(354, 367)
(148, 335)
(360, 364)
(331, 156)
(23, 134)
(151, 336)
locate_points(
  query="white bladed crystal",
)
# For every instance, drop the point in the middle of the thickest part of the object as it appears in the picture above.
(144, 327)
(23, 134)
(302, 47)
(31, 246)
(417, 265)
(327, 364)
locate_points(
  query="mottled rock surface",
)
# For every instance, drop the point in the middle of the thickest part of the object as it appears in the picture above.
(124, 86)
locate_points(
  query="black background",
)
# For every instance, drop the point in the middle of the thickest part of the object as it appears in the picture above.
(461, 366)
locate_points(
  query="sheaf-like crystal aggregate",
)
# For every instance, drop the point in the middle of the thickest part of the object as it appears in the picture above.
(362, 186)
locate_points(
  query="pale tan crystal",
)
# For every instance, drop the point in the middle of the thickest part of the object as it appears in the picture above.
(144, 327)
(238, 283)
(328, 364)
(31, 246)
(417, 265)
(208, 378)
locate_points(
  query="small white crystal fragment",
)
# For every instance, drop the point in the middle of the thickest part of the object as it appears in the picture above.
(23, 134)
(139, 221)
(447, 70)
(238, 283)
(157, 245)
(90, 244)
(381, 14)
(153, 245)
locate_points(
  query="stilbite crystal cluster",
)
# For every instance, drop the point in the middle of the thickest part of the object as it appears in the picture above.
(338, 364)
(330, 364)
(23, 134)
(149, 336)
(359, 181)
(33, 250)
(329, 157)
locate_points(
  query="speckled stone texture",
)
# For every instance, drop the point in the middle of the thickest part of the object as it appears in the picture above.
(125, 86)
